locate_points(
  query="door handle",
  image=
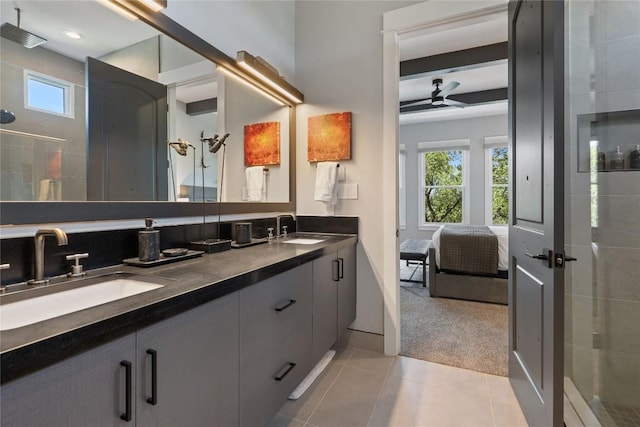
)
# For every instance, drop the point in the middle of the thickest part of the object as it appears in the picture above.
(539, 256)
(546, 255)
(341, 262)
(286, 305)
(287, 368)
(562, 259)
(335, 270)
(154, 377)
(126, 416)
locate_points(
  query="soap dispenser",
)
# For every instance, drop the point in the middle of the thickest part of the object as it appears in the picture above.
(635, 158)
(148, 242)
(617, 159)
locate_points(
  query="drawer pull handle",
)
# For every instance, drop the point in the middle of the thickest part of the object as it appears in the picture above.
(287, 305)
(153, 400)
(288, 369)
(128, 395)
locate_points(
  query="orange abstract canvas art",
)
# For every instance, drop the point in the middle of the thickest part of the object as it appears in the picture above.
(262, 144)
(329, 137)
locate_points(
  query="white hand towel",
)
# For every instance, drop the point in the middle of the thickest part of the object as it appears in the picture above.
(45, 190)
(326, 179)
(255, 182)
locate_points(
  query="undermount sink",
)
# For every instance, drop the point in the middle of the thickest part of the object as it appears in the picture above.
(303, 241)
(36, 309)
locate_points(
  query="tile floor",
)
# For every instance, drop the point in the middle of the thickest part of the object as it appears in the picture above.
(364, 388)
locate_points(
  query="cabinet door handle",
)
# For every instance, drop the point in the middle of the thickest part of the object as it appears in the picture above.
(287, 368)
(287, 305)
(127, 390)
(341, 260)
(153, 400)
(335, 270)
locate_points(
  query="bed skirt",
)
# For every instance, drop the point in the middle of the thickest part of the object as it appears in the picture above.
(465, 286)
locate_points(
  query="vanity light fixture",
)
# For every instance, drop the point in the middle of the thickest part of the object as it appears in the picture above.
(267, 74)
(236, 77)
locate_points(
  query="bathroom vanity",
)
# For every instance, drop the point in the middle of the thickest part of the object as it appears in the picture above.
(224, 342)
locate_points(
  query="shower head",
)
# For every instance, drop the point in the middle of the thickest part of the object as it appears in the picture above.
(7, 116)
(216, 143)
(20, 36)
(181, 146)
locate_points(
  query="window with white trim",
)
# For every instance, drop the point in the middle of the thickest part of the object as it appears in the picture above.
(402, 184)
(443, 196)
(497, 181)
(48, 94)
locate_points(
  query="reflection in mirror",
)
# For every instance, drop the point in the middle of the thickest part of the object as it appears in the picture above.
(118, 148)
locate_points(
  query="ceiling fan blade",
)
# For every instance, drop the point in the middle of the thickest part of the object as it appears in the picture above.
(448, 89)
(452, 103)
(418, 102)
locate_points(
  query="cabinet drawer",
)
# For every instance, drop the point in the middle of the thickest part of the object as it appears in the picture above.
(275, 342)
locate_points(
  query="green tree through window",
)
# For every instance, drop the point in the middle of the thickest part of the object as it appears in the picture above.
(499, 185)
(443, 186)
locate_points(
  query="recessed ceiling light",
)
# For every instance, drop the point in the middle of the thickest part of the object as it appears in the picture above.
(73, 35)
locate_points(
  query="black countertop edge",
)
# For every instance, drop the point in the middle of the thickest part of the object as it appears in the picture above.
(21, 361)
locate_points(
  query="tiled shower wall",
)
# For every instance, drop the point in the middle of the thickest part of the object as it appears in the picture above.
(602, 296)
(27, 163)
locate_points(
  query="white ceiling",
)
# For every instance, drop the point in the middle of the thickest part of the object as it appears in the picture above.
(103, 30)
(433, 41)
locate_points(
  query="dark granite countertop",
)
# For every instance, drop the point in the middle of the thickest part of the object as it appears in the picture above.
(187, 284)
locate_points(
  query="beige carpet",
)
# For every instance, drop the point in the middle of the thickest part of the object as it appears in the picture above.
(466, 334)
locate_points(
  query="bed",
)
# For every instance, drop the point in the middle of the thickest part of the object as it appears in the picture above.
(474, 265)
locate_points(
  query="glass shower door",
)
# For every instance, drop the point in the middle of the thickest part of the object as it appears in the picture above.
(602, 205)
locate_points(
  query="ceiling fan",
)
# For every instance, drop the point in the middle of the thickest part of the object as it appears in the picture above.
(439, 96)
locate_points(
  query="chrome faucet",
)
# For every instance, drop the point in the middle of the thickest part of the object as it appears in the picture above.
(39, 252)
(278, 230)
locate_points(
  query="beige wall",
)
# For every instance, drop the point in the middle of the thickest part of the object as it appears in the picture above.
(339, 68)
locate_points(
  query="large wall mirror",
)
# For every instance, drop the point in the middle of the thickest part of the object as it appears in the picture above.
(94, 121)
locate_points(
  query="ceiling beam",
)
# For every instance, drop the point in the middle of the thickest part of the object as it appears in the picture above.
(454, 61)
(470, 98)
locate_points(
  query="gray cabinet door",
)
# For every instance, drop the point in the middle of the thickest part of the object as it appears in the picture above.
(325, 305)
(275, 342)
(85, 390)
(196, 357)
(346, 289)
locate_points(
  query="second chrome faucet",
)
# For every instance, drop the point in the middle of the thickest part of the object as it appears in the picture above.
(38, 265)
(279, 232)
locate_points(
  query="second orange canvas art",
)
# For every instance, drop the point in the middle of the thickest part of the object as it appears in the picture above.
(329, 137)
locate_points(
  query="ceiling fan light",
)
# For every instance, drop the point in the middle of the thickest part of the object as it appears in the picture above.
(437, 101)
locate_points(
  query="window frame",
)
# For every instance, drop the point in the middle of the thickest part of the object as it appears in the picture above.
(67, 88)
(490, 143)
(436, 146)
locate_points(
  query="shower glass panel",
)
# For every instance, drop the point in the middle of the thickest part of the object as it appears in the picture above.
(602, 288)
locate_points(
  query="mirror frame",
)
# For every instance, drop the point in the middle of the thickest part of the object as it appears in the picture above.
(33, 212)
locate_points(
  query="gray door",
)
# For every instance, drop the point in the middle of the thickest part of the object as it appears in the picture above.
(127, 135)
(536, 232)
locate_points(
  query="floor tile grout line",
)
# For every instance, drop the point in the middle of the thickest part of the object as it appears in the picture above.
(330, 385)
(493, 412)
(386, 377)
